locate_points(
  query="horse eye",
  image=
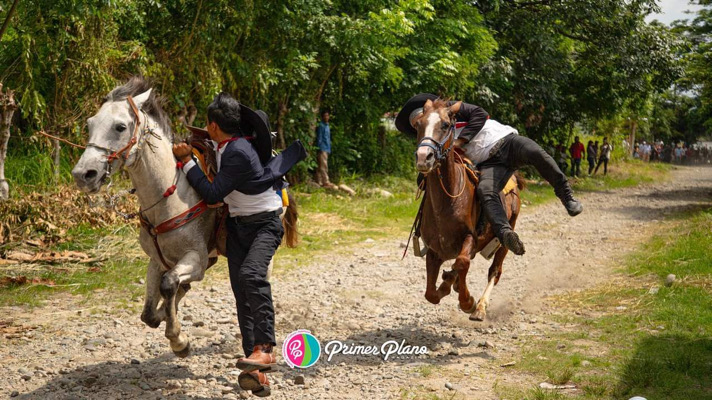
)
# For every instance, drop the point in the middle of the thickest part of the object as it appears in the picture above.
(120, 127)
(445, 125)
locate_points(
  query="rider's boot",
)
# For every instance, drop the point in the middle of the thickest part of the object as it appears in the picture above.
(511, 241)
(566, 195)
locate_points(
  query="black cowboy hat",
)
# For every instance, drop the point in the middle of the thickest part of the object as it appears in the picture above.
(253, 124)
(415, 102)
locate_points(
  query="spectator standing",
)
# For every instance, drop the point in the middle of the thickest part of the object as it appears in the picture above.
(577, 151)
(591, 156)
(323, 142)
(563, 158)
(606, 149)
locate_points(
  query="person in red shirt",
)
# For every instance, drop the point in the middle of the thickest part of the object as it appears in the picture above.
(577, 152)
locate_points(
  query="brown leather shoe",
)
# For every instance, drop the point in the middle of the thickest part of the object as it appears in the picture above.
(262, 359)
(255, 381)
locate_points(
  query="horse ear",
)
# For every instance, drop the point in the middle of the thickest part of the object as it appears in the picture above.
(455, 108)
(428, 105)
(141, 98)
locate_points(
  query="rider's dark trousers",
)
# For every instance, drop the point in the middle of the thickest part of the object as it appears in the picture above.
(250, 247)
(514, 152)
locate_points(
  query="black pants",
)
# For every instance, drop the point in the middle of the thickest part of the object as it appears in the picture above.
(591, 165)
(576, 167)
(515, 152)
(250, 248)
(603, 161)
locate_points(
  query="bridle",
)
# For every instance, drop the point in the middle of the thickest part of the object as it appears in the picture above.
(442, 149)
(123, 152)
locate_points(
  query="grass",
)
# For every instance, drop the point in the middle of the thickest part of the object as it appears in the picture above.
(123, 265)
(659, 346)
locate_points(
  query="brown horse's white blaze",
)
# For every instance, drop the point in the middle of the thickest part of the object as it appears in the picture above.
(450, 212)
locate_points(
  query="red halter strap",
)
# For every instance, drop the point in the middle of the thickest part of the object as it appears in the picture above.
(124, 151)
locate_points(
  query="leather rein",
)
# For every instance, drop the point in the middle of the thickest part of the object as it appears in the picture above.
(169, 224)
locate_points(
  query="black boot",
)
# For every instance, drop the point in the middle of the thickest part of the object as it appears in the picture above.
(511, 241)
(566, 195)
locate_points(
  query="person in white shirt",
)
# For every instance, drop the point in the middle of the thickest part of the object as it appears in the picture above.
(498, 150)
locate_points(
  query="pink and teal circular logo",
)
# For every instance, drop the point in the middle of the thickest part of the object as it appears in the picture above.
(301, 349)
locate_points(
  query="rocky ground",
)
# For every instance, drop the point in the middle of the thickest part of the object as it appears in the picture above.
(71, 349)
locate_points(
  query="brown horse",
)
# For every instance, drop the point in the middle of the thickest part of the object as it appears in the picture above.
(450, 211)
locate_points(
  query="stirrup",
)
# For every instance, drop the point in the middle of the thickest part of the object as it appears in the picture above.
(417, 251)
(490, 249)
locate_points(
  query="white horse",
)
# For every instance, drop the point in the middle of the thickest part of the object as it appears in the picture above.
(139, 140)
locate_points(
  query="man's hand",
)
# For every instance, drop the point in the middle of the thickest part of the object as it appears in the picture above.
(460, 142)
(183, 151)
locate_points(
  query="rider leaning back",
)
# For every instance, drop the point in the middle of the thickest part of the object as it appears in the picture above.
(248, 181)
(498, 151)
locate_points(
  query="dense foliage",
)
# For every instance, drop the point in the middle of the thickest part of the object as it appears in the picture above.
(542, 66)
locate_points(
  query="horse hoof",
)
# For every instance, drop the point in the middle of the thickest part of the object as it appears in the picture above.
(471, 309)
(151, 322)
(477, 316)
(433, 300)
(183, 353)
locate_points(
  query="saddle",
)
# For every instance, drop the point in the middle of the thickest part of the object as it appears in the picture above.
(208, 163)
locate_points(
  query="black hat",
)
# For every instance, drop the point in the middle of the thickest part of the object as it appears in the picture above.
(414, 103)
(254, 124)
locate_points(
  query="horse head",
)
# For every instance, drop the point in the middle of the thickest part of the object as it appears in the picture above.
(113, 131)
(436, 128)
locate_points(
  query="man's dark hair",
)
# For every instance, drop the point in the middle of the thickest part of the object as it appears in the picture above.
(324, 112)
(225, 111)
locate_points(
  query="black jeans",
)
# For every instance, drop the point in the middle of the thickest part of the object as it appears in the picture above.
(516, 151)
(603, 161)
(250, 247)
(591, 165)
(576, 167)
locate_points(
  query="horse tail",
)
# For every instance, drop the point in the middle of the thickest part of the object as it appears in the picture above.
(291, 235)
(521, 182)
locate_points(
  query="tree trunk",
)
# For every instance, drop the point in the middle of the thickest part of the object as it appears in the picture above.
(633, 127)
(281, 115)
(56, 155)
(7, 109)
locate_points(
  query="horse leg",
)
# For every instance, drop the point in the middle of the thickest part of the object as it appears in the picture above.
(188, 269)
(462, 266)
(432, 265)
(151, 315)
(495, 270)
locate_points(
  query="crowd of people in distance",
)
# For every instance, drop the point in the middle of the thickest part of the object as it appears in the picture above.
(597, 155)
(680, 153)
(570, 158)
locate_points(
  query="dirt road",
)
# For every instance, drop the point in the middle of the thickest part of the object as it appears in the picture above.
(70, 349)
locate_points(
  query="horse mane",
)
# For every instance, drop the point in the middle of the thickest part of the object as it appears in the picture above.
(153, 106)
(439, 103)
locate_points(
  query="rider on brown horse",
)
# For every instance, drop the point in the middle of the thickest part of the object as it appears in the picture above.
(498, 150)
